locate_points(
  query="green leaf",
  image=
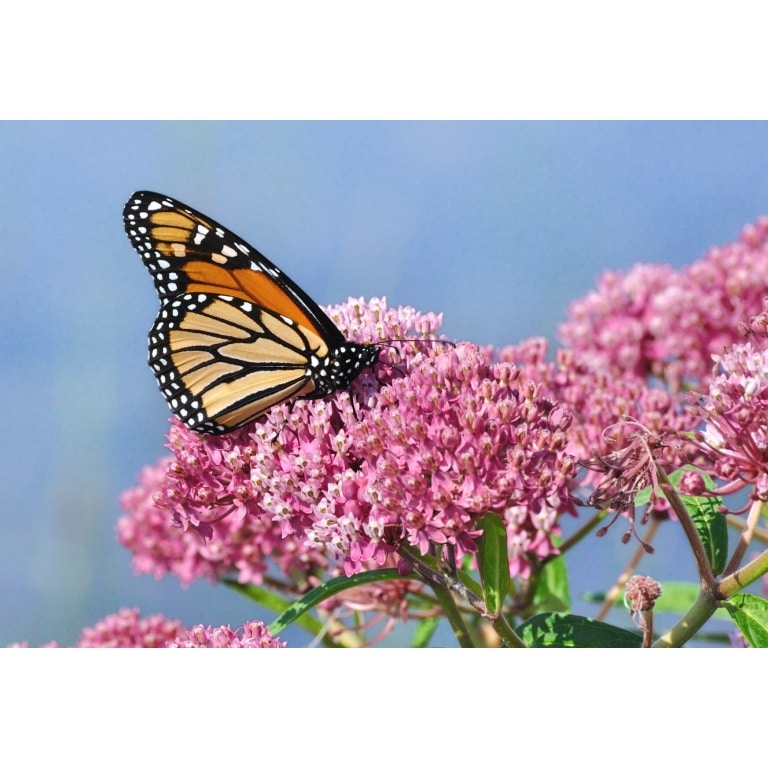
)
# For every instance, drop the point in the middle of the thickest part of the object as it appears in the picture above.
(552, 591)
(750, 614)
(272, 602)
(711, 527)
(424, 631)
(330, 588)
(493, 562)
(564, 630)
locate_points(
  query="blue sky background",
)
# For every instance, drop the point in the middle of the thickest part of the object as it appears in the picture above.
(498, 225)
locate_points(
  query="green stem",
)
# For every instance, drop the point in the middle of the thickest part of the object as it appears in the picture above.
(444, 586)
(508, 636)
(712, 591)
(689, 625)
(434, 574)
(452, 613)
(745, 576)
(706, 577)
(709, 599)
(746, 537)
(647, 626)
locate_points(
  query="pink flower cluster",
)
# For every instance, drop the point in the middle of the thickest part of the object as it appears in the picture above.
(600, 401)
(436, 437)
(253, 634)
(640, 340)
(666, 324)
(458, 437)
(164, 529)
(735, 415)
(126, 629)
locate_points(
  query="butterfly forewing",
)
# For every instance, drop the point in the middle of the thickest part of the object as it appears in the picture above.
(234, 335)
(186, 252)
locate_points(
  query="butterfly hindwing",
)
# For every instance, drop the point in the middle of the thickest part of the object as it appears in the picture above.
(234, 335)
(222, 362)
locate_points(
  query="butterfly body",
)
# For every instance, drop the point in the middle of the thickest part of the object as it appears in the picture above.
(234, 335)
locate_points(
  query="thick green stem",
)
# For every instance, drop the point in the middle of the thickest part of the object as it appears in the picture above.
(508, 636)
(745, 576)
(690, 624)
(445, 585)
(453, 614)
(709, 598)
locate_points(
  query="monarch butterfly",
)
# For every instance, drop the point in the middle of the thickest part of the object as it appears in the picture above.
(234, 335)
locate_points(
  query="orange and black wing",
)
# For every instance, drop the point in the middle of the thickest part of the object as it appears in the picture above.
(234, 335)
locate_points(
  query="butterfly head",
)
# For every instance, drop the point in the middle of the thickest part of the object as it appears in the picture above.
(338, 369)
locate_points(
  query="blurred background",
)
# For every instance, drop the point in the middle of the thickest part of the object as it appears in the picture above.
(498, 225)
